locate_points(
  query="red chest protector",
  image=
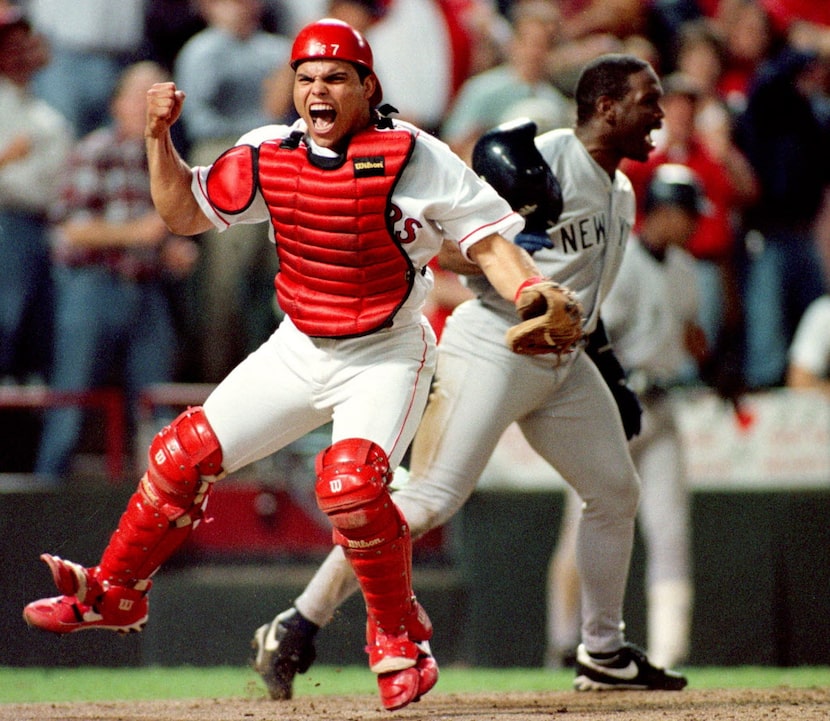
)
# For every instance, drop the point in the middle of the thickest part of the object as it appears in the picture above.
(342, 272)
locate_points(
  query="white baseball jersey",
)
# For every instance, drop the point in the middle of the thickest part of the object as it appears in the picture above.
(810, 348)
(589, 239)
(438, 197)
(648, 308)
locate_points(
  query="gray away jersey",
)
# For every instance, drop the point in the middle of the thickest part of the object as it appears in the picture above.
(590, 237)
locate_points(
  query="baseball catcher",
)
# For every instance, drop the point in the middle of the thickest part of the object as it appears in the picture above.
(507, 158)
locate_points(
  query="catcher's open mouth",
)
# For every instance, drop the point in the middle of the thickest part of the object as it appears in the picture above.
(322, 116)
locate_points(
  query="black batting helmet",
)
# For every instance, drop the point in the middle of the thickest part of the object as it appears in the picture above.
(507, 158)
(674, 184)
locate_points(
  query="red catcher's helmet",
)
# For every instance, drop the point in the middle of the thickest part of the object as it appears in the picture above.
(331, 39)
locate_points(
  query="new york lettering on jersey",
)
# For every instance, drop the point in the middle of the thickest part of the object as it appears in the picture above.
(584, 233)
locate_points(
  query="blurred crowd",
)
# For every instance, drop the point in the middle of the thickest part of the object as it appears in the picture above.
(94, 291)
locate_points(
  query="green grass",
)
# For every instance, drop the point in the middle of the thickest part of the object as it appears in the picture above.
(26, 685)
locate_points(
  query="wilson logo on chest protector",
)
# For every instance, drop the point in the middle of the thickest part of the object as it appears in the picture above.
(368, 167)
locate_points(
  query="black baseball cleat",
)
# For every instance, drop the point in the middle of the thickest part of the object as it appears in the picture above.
(629, 668)
(284, 648)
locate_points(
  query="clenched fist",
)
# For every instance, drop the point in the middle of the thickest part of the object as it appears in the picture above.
(164, 106)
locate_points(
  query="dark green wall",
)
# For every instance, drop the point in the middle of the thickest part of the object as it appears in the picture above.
(762, 576)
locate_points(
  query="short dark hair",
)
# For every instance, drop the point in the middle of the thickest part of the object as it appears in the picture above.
(606, 75)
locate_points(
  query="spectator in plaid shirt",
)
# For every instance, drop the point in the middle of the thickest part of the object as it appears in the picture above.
(34, 142)
(111, 252)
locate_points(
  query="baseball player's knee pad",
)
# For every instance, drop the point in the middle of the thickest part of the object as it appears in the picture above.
(352, 479)
(185, 459)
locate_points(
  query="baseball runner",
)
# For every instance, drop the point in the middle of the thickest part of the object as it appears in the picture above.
(358, 206)
(561, 403)
(651, 318)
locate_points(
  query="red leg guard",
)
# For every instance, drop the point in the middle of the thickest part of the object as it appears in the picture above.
(352, 479)
(184, 460)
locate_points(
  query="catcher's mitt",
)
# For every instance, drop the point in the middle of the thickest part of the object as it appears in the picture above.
(551, 319)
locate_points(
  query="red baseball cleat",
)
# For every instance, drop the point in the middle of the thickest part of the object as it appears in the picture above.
(118, 609)
(404, 663)
(400, 688)
(86, 603)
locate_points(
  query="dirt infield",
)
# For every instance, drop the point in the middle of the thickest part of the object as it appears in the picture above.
(811, 704)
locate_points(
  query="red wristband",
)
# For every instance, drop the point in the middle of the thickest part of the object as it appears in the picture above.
(525, 283)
